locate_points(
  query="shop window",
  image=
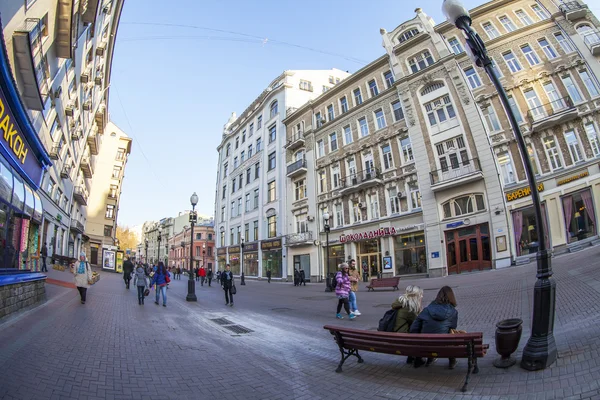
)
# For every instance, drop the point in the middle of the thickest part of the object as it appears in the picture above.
(579, 215)
(410, 255)
(463, 205)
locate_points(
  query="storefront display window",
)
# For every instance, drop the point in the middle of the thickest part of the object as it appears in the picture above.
(272, 260)
(234, 262)
(251, 264)
(525, 230)
(579, 214)
(410, 254)
(221, 260)
(336, 257)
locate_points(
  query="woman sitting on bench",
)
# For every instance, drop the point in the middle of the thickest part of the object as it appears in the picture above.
(438, 317)
(409, 305)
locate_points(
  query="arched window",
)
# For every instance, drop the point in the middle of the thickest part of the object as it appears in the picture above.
(273, 109)
(463, 205)
(590, 36)
(299, 155)
(404, 36)
(432, 87)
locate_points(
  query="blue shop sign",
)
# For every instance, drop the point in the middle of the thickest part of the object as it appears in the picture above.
(455, 224)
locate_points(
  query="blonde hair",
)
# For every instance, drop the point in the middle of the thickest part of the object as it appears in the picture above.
(411, 299)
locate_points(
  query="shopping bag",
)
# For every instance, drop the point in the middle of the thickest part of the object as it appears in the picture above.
(233, 290)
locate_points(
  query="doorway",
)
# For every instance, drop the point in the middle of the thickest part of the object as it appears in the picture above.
(370, 257)
(468, 249)
(94, 255)
(303, 262)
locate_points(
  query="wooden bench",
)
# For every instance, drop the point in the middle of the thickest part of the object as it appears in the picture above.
(384, 282)
(460, 345)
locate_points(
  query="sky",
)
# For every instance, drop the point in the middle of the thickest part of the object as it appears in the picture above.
(175, 83)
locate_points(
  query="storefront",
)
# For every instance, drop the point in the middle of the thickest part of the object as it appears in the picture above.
(272, 258)
(525, 230)
(250, 259)
(221, 258)
(234, 259)
(410, 254)
(336, 257)
(579, 215)
(468, 248)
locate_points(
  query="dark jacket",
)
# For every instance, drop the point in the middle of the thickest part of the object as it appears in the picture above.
(209, 274)
(226, 283)
(44, 251)
(127, 267)
(404, 318)
(436, 318)
(160, 279)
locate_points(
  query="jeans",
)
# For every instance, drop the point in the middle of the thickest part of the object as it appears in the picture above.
(82, 292)
(141, 294)
(209, 281)
(127, 279)
(44, 268)
(162, 289)
(352, 300)
(228, 294)
(343, 301)
(202, 278)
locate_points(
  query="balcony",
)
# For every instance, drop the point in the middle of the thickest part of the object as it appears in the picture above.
(592, 41)
(77, 226)
(299, 239)
(27, 45)
(100, 49)
(296, 168)
(361, 180)
(80, 195)
(573, 10)
(93, 142)
(64, 24)
(550, 114)
(85, 76)
(86, 167)
(99, 118)
(89, 10)
(458, 173)
(295, 141)
(55, 151)
(65, 172)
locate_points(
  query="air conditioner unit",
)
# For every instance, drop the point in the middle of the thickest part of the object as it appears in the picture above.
(310, 218)
(401, 195)
(361, 205)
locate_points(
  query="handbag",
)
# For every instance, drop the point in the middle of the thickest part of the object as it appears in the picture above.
(233, 289)
(167, 279)
(146, 292)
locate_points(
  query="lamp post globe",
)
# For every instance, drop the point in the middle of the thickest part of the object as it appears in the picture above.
(194, 199)
(454, 10)
(191, 295)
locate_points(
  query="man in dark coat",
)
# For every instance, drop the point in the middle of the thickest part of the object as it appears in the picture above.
(296, 277)
(302, 278)
(127, 271)
(44, 254)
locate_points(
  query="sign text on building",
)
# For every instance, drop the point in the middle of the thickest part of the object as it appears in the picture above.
(573, 178)
(520, 193)
(381, 232)
(270, 244)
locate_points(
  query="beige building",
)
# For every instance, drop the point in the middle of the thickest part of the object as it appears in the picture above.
(413, 159)
(107, 186)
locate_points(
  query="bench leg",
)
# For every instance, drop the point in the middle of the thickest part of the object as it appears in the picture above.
(475, 366)
(345, 356)
(469, 366)
(360, 359)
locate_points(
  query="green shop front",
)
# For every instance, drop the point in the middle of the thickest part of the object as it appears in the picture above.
(272, 258)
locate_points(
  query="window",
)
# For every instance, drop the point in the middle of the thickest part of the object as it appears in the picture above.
(535, 106)
(452, 153)
(512, 62)
(506, 168)
(300, 189)
(397, 110)
(420, 61)
(244, 136)
(331, 79)
(259, 122)
(320, 148)
(339, 215)
(116, 172)
(472, 77)
(224, 191)
(373, 201)
(388, 162)
(258, 144)
(222, 238)
(589, 83)
(333, 142)
(248, 175)
(490, 30)
(306, 85)
(239, 234)
(539, 11)
(592, 136)
(523, 17)
(415, 199)
(357, 97)
(547, 48)
(497, 70)
(273, 110)
(440, 110)
(237, 142)
(507, 23)
(271, 195)
(256, 170)
(222, 213)
(574, 148)
(239, 206)
(356, 212)
(533, 159)
(113, 191)
(373, 88)
(235, 162)
(406, 148)
(231, 237)
(108, 230)
(272, 133)
(225, 170)
(344, 104)
(553, 153)
(255, 229)
(330, 113)
(364, 128)
(455, 45)
(272, 164)
(389, 79)
(251, 130)
(404, 36)
(272, 226)
(319, 120)
(515, 109)
(463, 205)
(301, 224)
(324, 88)
(572, 89)
(233, 185)
(380, 118)
(110, 211)
(348, 135)
(255, 205)
(491, 119)
(394, 201)
(335, 176)
(565, 44)
(249, 151)
(530, 55)
(243, 155)
(120, 154)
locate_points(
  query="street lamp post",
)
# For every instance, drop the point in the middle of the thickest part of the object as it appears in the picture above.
(327, 228)
(540, 351)
(146, 258)
(158, 247)
(191, 296)
(204, 254)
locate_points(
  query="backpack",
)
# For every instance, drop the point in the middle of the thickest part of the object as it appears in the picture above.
(334, 283)
(386, 323)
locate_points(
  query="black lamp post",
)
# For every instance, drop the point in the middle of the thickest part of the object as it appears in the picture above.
(204, 255)
(191, 296)
(327, 228)
(540, 351)
(146, 260)
(158, 247)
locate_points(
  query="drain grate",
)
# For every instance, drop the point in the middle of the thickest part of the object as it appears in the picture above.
(222, 321)
(238, 329)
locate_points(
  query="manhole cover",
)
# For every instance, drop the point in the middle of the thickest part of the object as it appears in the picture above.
(222, 321)
(318, 298)
(238, 329)
(281, 309)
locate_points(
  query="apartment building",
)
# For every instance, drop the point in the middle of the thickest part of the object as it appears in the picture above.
(250, 204)
(59, 56)
(203, 247)
(105, 193)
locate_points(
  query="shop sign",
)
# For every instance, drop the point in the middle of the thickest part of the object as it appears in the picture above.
(250, 247)
(520, 193)
(270, 244)
(435, 254)
(455, 224)
(572, 178)
(15, 144)
(381, 232)
(221, 251)
(234, 249)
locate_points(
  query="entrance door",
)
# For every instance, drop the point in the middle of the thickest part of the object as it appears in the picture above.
(303, 262)
(94, 255)
(468, 249)
(372, 263)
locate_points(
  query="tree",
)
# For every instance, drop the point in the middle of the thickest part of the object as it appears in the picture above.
(127, 239)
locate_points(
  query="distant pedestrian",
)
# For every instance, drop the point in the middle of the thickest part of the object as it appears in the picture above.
(44, 254)
(141, 282)
(83, 276)
(209, 276)
(296, 277)
(218, 277)
(342, 291)
(178, 273)
(302, 278)
(354, 279)
(161, 278)
(227, 284)
(365, 271)
(202, 274)
(269, 275)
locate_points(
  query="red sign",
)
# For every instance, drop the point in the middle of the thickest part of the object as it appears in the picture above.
(381, 232)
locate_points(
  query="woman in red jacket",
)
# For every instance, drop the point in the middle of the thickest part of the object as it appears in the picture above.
(202, 276)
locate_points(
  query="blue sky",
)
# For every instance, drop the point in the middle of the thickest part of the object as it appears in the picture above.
(174, 87)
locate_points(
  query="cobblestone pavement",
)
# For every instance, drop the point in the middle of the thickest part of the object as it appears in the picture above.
(112, 348)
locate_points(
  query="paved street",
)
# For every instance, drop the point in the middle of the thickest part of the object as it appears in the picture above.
(112, 348)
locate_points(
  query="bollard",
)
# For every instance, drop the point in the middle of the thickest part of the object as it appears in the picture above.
(242, 280)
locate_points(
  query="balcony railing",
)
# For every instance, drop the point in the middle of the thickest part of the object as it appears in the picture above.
(55, 151)
(93, 143)
(295, 140)
(77, 226)
(592, 41)
(458, 169)
(86, 167)
(294, 239)
(80, 195)
(572, 10)
(361, 177)
(550, 113)
(296, 167)
(66, 171)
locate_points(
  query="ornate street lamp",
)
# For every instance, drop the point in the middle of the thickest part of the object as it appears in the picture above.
(191, 296)
(158, 247)
(540, 351)
(146, 260)
(204, 254)
(327, 228)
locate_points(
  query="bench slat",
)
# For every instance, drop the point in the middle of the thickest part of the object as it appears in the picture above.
(408, 336)
(414, 339)
(415, 351)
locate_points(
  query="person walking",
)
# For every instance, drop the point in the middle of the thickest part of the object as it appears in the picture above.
(227, 284)
(365, 272)
(269, 275)
(160, 279)
(302, 278)
(44, 254)
(354, 279)
(209, 276)
(202, 275)
(342, 291)
(127, 271)
(83, 276)
(296, 277)
(141, 283)
(219, 277)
